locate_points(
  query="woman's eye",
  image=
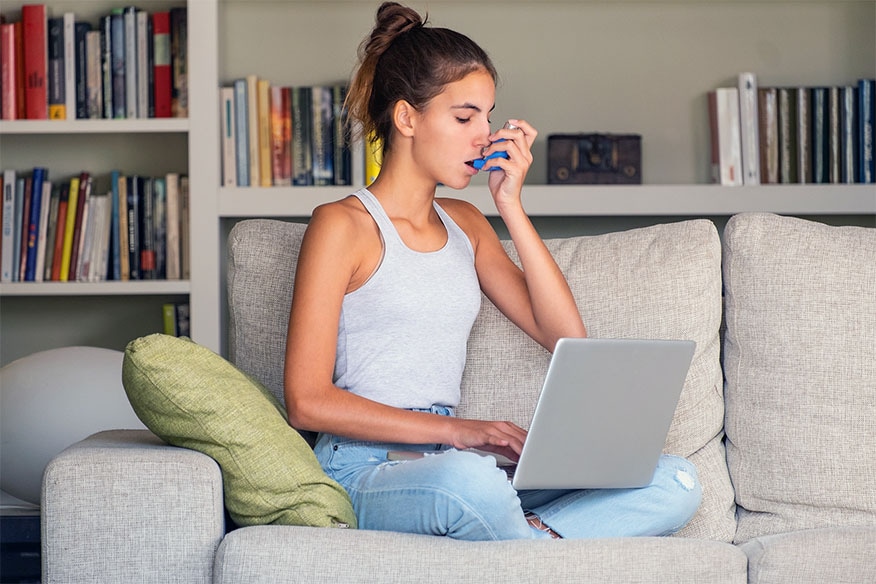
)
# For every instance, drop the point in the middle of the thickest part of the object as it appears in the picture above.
(463, 120)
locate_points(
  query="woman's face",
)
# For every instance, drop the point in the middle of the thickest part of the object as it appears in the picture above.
(454, 129)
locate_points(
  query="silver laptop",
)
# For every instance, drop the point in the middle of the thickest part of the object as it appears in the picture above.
(603, 414)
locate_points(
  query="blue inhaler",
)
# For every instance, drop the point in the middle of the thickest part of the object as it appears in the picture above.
(481, 162)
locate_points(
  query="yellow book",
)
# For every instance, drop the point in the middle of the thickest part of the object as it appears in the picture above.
(264, 96)
(69, 228)
(373, 158)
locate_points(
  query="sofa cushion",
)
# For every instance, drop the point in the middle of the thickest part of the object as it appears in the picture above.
(193, 398)
(662, 281)
(813, 556)
(272, 555)
(800, 362)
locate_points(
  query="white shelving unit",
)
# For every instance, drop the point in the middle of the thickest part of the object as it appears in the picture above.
(627, 66)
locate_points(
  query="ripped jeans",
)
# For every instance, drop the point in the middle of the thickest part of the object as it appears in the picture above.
(466, 496)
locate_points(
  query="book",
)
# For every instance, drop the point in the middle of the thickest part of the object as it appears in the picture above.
(144, 42)
(179, 59)
(302, 152)
(159, 226)
(241, 132)
(173, 226)
(748, 121)
(115, 265)
(93, 75)
(42, 226)
(185, 259)
(281, 136)
(768, 134)
(48, 236)
(820, 132)
(848, 134)
(124, 261)
(20, 81)
(322, 135)
(341, 138)
(86, 182)
(229, 138)
(81, 30)
(787, 135)
(263, 95)
(163, 86)
(106, 65)
(726, 144)
(176, 319)
(8, 81)
(866, 117)
(804, 135)
(69, 228)
(252, 126)
(8, 246)
(23, 231)
(133, 188)
(834, 156)
(39, 176)
(63, 205)
(69, 20)
(146, 202)
(56, 73)
(119, 82)
(131, 100)
(35, 38)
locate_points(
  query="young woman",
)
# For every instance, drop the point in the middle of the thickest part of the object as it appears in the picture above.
(387, 288)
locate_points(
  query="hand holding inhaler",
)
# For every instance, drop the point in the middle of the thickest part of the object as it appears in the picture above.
(481, 162)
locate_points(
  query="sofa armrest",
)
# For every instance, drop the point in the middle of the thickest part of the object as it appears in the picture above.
(123, 506)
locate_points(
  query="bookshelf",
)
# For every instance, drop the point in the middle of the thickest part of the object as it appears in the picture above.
(41, 315)
(567, 66)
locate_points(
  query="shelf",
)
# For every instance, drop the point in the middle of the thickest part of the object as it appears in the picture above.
(130, 288)
(590, 200)
(156, 125)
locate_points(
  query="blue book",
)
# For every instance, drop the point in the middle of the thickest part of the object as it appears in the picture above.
(866, 115)
(40, 175)
(117, 26)
(848, 134)
(241, 132)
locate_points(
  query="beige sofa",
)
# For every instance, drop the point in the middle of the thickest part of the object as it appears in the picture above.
(778, 413)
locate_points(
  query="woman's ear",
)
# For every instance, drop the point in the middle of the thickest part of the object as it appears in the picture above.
(404, 117)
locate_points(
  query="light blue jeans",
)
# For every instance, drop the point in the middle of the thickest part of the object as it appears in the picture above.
(466, 496)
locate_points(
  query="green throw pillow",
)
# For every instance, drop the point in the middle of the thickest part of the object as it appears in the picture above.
(193, 398)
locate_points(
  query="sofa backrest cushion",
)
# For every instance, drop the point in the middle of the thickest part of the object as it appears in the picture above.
(800, 362)
(656, 282)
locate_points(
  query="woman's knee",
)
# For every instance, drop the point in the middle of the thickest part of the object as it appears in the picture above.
(681, 486)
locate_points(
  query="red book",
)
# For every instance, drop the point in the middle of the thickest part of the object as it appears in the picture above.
(163, 81)
(20, 113)
(36, 87)
(7, 71)
(63, 202)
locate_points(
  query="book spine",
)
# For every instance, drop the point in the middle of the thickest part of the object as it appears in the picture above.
(42, 226)
(70, 228)
(81, 32)
(159, 226)
(115, 266)
(85, 185)
(24, 231)
(106, 65)
(747, 86)
(252, 126)
(341, 141)
(848, 134)
(147, 232)
(8, 226)
(63, 205)
(131, 62)
(229, 139)
(768, 134)
(141, 21)
(94, 76)
(20, 82)
(263, 94)
(322, 136)
(50, 234)
(40, 175)
(787, 135)
(179, 59)
(281, 136)
(185, 261)
(119, 82)
(70, 64)
(724, 114)
(804, 135)
(834, 158)
(302, 150)
(241, 131)
(134, 212)
(35, 39)
(866, 116)
(162, 64)
(57, 91)
(171, 181)
(8, 83)
(819, 122)
(124, 261)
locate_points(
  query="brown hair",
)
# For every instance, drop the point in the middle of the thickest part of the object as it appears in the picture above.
(403, 59)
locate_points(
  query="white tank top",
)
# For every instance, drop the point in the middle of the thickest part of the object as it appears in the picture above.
(402, 335)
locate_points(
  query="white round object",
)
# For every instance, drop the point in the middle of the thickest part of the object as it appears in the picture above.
(50, 400)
